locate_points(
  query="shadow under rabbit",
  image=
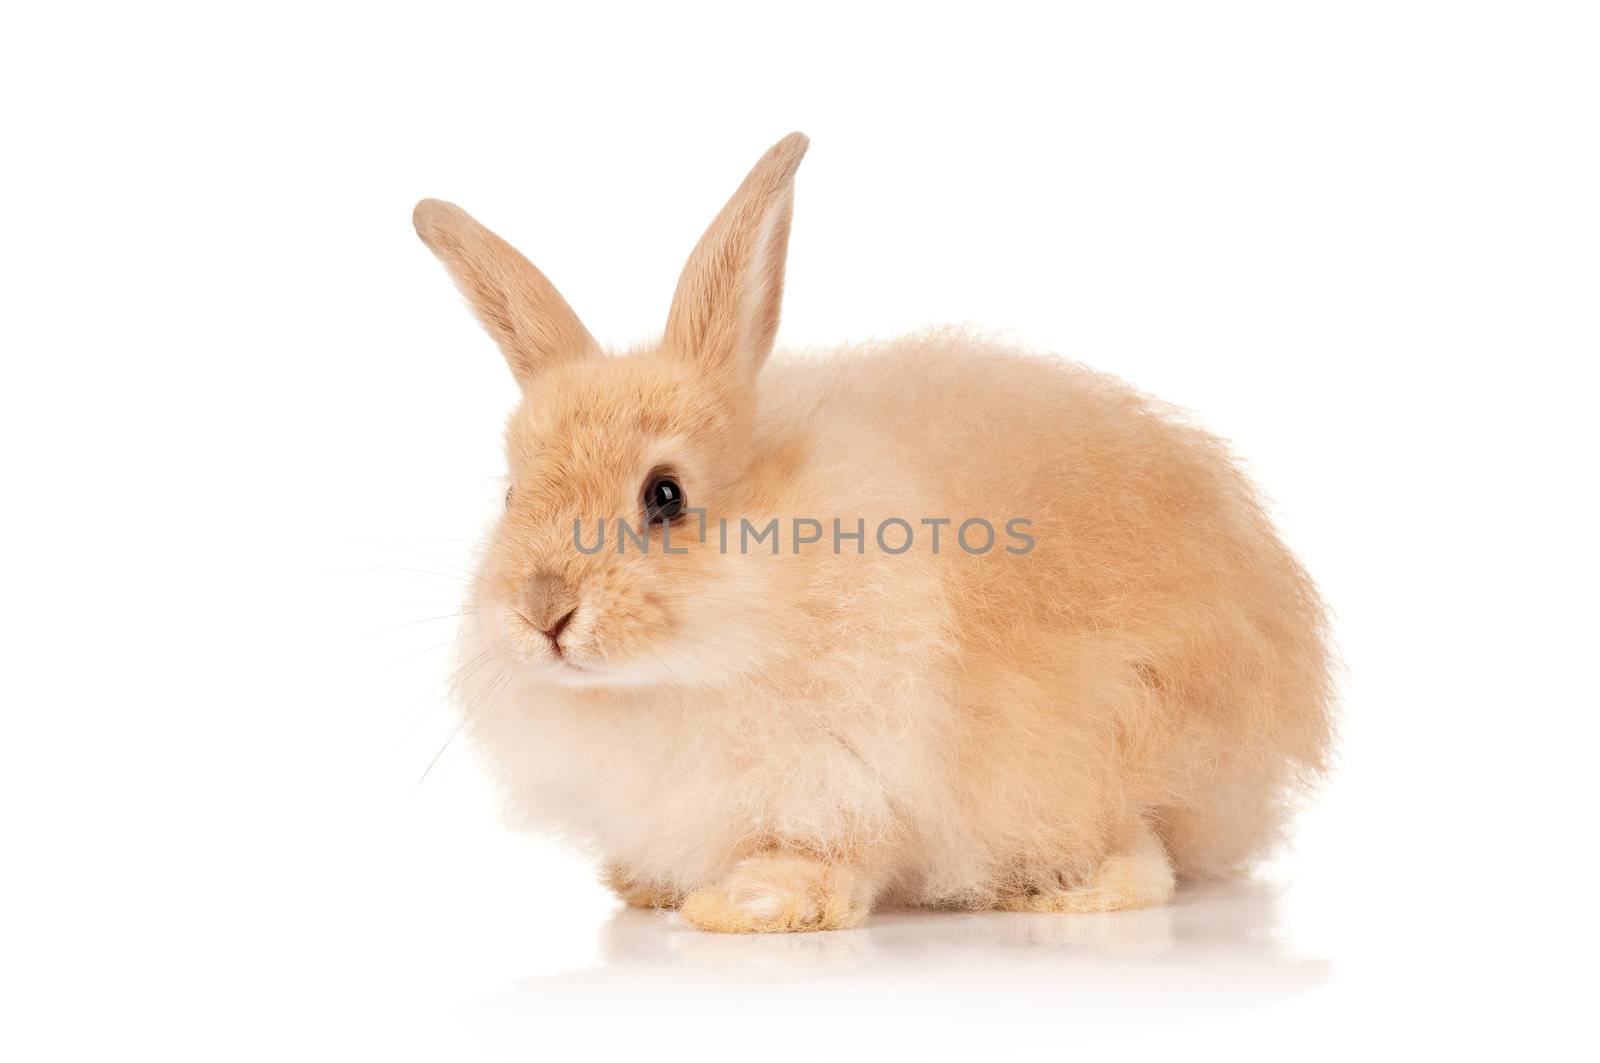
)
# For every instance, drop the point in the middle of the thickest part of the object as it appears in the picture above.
(1218, 949)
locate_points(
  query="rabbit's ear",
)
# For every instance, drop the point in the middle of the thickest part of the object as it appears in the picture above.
(522, 310)
(725, 312)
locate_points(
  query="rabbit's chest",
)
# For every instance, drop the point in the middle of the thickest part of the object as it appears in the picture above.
(678, 792)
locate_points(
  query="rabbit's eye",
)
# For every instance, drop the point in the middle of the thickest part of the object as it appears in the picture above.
(663, 500)
(508, 497)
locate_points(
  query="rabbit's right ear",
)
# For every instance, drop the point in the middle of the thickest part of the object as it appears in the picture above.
(522, 310)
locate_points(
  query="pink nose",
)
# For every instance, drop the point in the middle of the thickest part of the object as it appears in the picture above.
(548, 603)
(553, 632)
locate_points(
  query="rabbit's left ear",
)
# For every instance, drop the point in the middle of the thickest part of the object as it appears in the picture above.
(725, 312)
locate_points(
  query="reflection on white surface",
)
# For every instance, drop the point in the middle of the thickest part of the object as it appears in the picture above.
(1217, 950)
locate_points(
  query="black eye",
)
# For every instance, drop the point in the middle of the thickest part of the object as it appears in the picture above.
(663, 500)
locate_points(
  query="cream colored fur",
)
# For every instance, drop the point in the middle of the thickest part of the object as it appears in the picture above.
(784, 742)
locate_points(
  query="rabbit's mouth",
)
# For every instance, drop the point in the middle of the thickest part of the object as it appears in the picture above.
(562, 671)
(559, 657)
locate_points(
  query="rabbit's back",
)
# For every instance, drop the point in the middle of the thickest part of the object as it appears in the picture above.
(1158, 654)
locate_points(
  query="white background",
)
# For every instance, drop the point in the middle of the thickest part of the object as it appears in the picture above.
(250, 435)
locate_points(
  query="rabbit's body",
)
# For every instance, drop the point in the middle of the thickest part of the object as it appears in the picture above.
(782, 741)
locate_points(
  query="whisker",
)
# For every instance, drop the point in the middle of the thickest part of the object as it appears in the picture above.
(413, 654)
(663, 662)
(420, 539)
(471, 578)
(424, 620)
(459, 674)
(447, 564)
(489, 694)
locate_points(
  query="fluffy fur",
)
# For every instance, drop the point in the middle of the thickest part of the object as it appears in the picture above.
(784, 742)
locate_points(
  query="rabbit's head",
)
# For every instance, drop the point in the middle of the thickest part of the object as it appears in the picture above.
(625, 450)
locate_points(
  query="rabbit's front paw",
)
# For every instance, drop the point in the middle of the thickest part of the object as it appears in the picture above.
(780, 894)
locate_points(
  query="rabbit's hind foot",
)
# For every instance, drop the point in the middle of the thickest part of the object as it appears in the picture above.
(638, 893)
(1139, 876)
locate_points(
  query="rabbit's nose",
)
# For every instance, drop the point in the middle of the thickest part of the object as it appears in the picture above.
(548, 603)
(553, 633)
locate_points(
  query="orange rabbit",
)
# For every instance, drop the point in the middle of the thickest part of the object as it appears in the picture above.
(1130, 682)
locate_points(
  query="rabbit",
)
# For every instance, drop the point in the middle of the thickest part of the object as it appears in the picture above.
(1131, 684)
